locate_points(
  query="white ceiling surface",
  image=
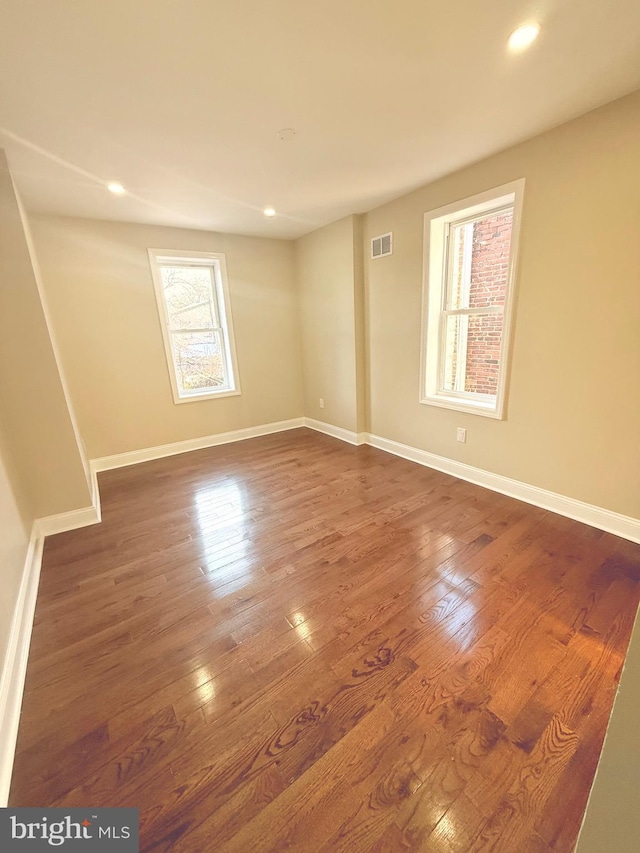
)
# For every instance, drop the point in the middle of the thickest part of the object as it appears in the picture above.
(181, 100)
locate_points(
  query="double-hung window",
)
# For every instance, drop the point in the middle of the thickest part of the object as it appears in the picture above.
(470, 262)
(195, 314)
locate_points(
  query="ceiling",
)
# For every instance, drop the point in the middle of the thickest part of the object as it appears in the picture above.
(181, 100)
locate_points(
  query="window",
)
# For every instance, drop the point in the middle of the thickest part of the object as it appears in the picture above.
(470, 261)
(193, 303)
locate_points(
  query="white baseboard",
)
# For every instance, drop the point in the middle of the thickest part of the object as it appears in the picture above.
(14, 670)
(52, 524)
(603, 519)
(133, 457)
(336, 432)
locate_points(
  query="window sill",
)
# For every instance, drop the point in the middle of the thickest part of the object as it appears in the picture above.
(474, 407)
(212, 395)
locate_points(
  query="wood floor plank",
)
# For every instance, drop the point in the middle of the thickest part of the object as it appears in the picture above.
(291, 643)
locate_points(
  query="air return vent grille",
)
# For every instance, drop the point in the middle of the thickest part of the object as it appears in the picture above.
(382, 245)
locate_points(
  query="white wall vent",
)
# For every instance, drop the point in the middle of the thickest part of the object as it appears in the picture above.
(382, 245)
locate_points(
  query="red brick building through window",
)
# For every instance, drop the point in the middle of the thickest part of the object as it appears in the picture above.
(479, 280)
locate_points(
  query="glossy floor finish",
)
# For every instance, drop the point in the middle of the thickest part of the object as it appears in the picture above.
(292, 643)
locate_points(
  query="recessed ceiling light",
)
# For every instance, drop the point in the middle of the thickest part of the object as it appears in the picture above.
(116, 189)
(523, 36)
(269, 211)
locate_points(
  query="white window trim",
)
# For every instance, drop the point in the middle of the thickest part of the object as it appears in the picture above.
(434, 271)
(219, 264)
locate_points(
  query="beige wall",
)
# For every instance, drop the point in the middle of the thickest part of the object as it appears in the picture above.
(100, 292)
(330, 286)
(41, 466)
(573, 417)
(36, 421)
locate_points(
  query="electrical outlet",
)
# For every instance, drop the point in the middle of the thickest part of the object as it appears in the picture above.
(321, 403)
(461, 435)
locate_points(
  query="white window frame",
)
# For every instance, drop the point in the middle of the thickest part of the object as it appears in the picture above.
(437, 225)
(217, 264)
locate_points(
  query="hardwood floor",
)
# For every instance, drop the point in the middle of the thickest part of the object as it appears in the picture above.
(291, 643)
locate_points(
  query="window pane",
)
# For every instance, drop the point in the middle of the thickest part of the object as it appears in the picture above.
(471, 353)
(479, 261)
(198, 359)
(188, 295)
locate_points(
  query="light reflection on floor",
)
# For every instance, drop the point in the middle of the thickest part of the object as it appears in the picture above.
(205, 684)
(463, 614)
(463, 610)
(227, 551)
(299, 623)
